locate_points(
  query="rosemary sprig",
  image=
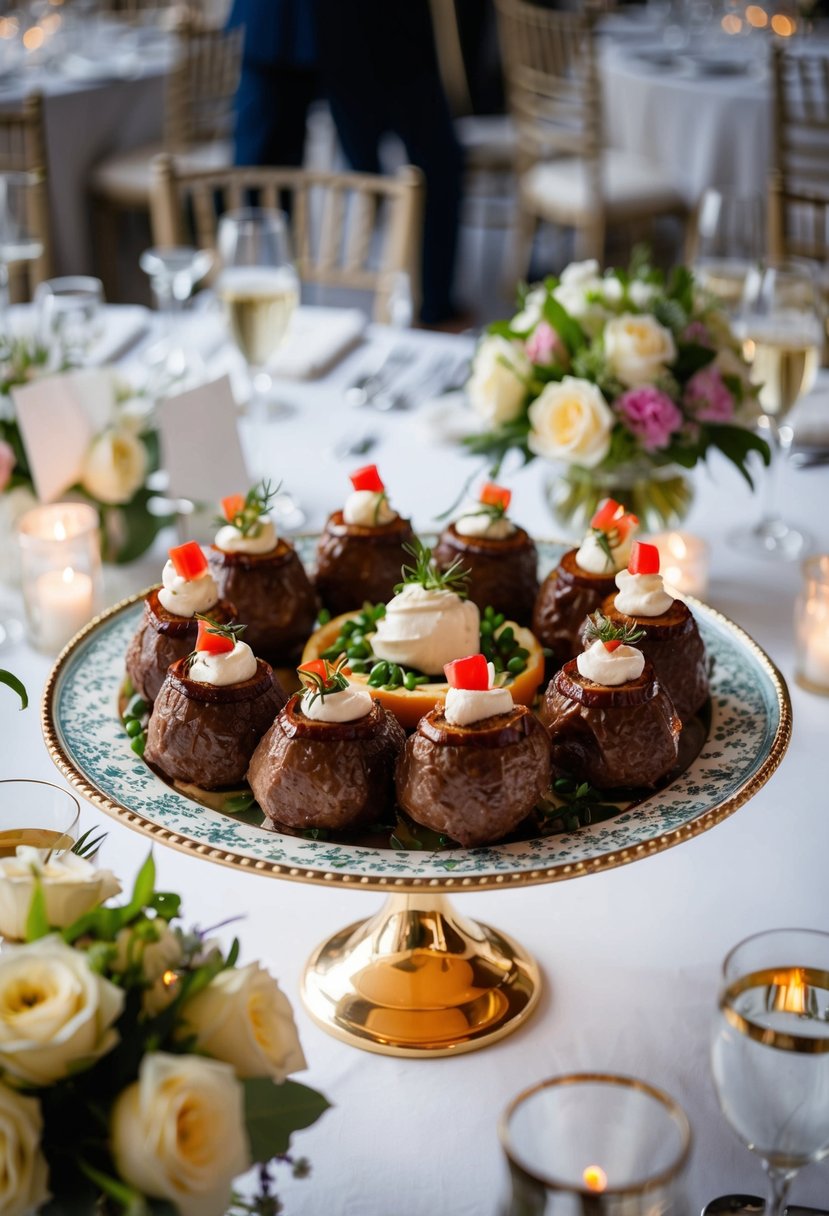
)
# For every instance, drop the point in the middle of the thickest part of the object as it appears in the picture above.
(425, 573)
(232, 632)
(322, 686)
(257, 504)
(378, 506)
(603, 630)
(604, 541)
(88, 844)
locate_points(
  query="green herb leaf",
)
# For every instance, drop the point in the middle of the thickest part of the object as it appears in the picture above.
(15, 685)
(567, 327)
(603, 630)
(88, 844)
(274, 1112)
(427, 575)
(736, 443)
(37, 921)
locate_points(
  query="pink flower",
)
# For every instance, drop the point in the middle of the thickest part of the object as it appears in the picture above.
(697, 331)
(707, 396)
(650, 414)
(544, 346)
(7, 463)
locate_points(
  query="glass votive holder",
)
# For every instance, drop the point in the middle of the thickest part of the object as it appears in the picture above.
(68, 311)
(595, 1144)
(811, 626)
(683, 561)
(60, 570)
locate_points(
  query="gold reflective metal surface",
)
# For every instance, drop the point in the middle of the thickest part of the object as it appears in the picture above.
(419, 980)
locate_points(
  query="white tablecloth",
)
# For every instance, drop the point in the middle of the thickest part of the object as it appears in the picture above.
(630, 957)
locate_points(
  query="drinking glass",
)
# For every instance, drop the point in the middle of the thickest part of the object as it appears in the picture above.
(780, 323)
(595, 1144)
(173, 273)
(770, 1052)
(37, 814)
(260, 290)
(729, 239)
(68, 311)
(17, 243)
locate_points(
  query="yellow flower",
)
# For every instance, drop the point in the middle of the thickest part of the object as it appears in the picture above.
(571, 421)
(637, 348)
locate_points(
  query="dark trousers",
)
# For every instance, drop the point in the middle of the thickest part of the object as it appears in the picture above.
(271, 112)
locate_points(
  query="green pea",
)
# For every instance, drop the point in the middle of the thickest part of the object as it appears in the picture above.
(486, 628)
(136, 708)
(515, 666)
(359, 650)
(137, 744)
(395, 676)
(332, 652)
(489, 612)
(521, 653)
(133, 727)
(497, 663)
(378, 674)
(323, 616)
(359, 666)
(378, 612)
(238, 803)
(499, 620)
(506, 638)
(421, 679)
(348, 628)
(409, 681)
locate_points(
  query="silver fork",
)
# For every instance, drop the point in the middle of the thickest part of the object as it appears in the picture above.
(366, 386)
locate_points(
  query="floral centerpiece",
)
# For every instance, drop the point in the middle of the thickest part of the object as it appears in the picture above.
(122, 454)
(141, 1069)
(625, 379)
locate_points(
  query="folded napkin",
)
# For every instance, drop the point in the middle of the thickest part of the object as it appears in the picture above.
(810, 418)
(316, 339)
(120, 326)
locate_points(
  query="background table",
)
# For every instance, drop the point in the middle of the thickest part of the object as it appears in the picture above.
(630, 956)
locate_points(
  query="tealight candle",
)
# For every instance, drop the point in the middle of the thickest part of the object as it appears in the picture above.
(61, 571)
(812, 626)
(683, 562)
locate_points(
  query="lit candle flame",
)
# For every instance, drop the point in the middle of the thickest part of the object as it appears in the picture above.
(60, 530)
(791, 992)
(68, 575)
(169, 978)
(594, 1178)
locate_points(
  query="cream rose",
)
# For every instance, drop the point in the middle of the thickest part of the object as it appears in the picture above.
(637, 348)
(245, 1019)
(571, 421)
(71, 886)
(115, 466)
(56, 1014)
(178, 1132)
(497, 387)
(23, 1170)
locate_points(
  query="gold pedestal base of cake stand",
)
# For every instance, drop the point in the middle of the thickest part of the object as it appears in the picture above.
(419, 980)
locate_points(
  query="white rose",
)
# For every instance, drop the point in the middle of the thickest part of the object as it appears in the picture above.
(641, 293)
(156, 949)
(23, 1170)
(571, 421)
(71, 886)
(245, 1019)
(637, 348)
(55, 1013)
(532, 312)
(497, 387)
(178, 1132)
(115, 466)
(579, 281)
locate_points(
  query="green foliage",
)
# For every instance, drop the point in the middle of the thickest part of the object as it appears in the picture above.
(425, 573)
(567, 327)
(737, 443)
(12, 682)
(128, 530)
(691, 357)
(37, 922)
(274, 1112)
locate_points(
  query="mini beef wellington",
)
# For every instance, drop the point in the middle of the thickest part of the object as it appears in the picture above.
(361, 548)
(263, 576)
(583, 580)
(328, 760)
(169, 628)
(610, 721)
(672, 640)
(476, 766)
(500, 557)
(213, 708)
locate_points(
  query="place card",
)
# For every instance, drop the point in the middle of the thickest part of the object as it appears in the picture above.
(200, 446)
(59, 417)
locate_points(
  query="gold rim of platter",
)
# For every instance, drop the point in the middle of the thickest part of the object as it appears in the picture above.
(484, 882)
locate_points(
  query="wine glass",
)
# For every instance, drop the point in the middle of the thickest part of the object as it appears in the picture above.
(770, 1052)
(173, 273)
(17, 243)
(780, 323)
(260, 290)
(729, 239)
(597, 1144)
(37, 814)
(68, 310)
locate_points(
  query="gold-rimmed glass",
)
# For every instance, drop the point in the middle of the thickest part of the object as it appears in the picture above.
(37, 814)
(595, 1144)
(770, 1051)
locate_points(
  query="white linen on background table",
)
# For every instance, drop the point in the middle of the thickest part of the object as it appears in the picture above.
(630, 957)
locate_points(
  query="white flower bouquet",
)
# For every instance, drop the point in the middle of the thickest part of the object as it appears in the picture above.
(616, 376)
(141, 1069)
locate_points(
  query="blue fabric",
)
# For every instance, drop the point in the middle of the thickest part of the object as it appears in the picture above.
(276, 31)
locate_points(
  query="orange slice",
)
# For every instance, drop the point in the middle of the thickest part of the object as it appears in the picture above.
(409, 707)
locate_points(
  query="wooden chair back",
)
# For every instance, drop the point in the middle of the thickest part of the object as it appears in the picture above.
(23, 149)
(799, 186)
(354, 231)
(201, 85)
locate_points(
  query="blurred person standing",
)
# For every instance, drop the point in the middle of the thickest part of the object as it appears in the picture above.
(379, 72)
(278, 80)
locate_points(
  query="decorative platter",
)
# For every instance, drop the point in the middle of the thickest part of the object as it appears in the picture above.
(748, 735)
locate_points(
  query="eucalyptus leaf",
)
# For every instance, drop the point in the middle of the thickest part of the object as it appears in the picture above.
(15, 685)
(274, 1112)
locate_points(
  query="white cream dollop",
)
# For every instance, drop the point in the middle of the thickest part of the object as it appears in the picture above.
(592, 558)
(229, 667)
(426, 629)
(230, 539)
(344, 706)
(368, 509)
(467, 705)
(641, 594)
(474, 521)
(187, 596)
(610, 667)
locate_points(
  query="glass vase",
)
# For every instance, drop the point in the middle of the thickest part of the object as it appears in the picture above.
(660, 495)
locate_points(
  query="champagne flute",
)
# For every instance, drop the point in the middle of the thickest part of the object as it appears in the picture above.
(770, 1052)
(780, 323)
(728, 240)
(260, 290)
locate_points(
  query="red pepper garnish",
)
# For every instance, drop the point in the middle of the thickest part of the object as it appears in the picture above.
(625, 524)
(613, 644)
(188, 560)
(605, 517)
(367, 478)
(470, 673)
(316, 667)
(232, 506)
(644, 559)
(212, 643)
(495, 496)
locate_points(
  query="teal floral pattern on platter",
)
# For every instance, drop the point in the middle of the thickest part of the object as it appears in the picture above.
(750, 723)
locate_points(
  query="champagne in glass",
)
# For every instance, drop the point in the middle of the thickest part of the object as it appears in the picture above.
(728, 240)
(770, 1051)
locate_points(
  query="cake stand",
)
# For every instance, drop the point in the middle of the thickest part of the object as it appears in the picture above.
(417, 979)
